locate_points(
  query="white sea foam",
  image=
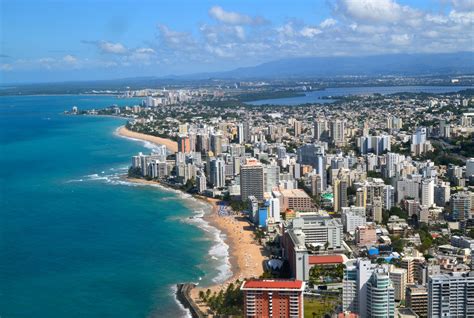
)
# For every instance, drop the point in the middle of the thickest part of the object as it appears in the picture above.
(186, 312)
(219, 252)
(75, 180)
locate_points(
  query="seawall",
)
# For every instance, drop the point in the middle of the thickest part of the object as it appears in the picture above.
(182, 294)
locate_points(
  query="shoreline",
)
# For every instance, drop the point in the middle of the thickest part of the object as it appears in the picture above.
(171, 145)
(245, 257)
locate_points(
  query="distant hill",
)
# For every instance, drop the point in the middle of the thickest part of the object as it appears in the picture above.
(393, 64)
(443, 64)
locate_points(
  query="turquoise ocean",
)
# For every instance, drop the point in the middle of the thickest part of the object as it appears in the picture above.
(76, 240)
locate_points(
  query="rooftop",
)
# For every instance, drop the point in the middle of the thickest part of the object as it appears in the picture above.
(326, 259)
(273, 284)
(298, 193)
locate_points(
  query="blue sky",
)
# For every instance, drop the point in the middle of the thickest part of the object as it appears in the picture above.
(45, 41)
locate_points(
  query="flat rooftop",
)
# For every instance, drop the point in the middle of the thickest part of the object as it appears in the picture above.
(298, 193)
(273, 284)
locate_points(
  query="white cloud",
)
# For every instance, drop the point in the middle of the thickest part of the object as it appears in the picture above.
(70, 59)
(372, 10)
(145, 51)
(328, 23)
(141, 55)
(401, 39)
(436, 18)
(431, 34)
(6, 67)
(230, 17)
(286, 30)
(464, 18)
(112, 48)
(463, 5)
(175, 39)
(310, 32)
(46, 60)
(240, 32)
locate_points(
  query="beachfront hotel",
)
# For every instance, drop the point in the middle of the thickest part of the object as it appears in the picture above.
(273, 298)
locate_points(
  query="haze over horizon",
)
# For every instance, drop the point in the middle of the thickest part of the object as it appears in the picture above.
(95, 40)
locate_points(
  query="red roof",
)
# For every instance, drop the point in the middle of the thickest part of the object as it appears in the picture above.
(325, 259)
(273, 284)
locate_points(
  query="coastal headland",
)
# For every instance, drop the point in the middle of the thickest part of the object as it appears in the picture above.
(246, 256)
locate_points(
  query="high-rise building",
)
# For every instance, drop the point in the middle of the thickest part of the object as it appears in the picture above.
(251, 180)
(216, 144)
(201, 182)
(361, 197)
(444, 129)
(419, 142)
(461, 206)
(380, 295)
(427, 192)
(340, 194)
(320, 129)
(316, 185)
(273, 298)
(399, 280)
(409, 188)
(419, 136)
(274, 209)
(442, 193)
(388, 199)
(297, 127)
(240, 134)
(353, 217)
(410, 264)
(355, 286)
(202, 142)
(246, 131)
(313, 155)
(271, 177)
(451, 295)
(281, 152)
(394, 122)
(469, 167)
(337, 132)
(377, 207)
(417, 299)
(184, 144)
(217, 172)
(392, 164)
(374, 144)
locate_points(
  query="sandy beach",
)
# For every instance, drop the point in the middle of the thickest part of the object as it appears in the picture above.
(170, 144)
(246, 255)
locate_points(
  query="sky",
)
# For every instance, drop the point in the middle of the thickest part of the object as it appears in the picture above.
(48, 41)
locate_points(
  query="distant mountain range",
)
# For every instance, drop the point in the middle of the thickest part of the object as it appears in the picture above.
(442, 64)
(392, 64)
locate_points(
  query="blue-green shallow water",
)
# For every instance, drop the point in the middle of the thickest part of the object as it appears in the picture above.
(74, 240)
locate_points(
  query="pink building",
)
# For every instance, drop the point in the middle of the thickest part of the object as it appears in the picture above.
(365, 235)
